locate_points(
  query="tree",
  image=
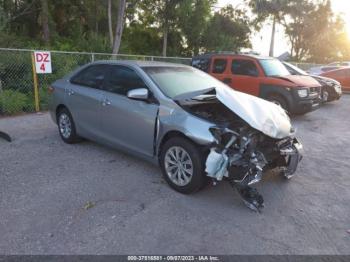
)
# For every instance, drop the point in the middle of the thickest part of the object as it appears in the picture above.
(228, 30)
(194, 16)
(268, 10)
(110, 26)
(45, 21)
(314, 31)
(161, 14)
(329, 40)
(119, 26)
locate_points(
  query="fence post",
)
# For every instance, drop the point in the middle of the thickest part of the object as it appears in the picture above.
(92, 57)
(35, 81)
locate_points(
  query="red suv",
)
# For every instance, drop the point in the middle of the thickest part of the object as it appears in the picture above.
(265, 77)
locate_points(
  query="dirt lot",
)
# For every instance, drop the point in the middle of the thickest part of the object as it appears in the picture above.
(45, 185)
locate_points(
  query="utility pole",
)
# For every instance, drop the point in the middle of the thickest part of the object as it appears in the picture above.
(272, 43)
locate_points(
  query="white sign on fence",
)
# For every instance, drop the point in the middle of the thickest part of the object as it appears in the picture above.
(42, 62)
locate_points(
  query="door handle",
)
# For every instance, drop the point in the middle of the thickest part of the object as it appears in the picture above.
(106, 102)
(70, 92)
(227, 80)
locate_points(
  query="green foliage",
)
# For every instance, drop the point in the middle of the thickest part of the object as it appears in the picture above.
(12, 102)
(315, 33)
(83, 26)
(227, 30)
(194, 17)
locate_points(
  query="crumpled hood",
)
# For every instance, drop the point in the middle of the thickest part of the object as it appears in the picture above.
(260, 114)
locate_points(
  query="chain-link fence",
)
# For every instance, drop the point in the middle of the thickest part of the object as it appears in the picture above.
(17, 79)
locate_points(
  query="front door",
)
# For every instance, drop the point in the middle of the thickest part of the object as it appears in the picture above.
(126, 122)
(220, 69)
(245, 76)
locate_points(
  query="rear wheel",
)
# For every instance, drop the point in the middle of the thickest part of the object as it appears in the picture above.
(278, 100)
(66, 126)
(182, 165)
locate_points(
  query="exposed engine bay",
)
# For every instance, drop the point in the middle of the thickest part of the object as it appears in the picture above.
(241, 153)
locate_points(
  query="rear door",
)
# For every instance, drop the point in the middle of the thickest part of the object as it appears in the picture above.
(220, 69)
(84, 100)
(126, 122)
(246, 75)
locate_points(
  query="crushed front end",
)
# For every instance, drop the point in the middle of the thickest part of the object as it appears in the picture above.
(251, 136)
(242, 156)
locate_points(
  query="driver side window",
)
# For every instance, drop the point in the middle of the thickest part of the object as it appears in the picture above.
(122, 79)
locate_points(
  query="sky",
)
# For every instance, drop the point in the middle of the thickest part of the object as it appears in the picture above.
(261, 40)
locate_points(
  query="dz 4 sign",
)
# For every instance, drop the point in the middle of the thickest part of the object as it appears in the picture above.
(42, 62)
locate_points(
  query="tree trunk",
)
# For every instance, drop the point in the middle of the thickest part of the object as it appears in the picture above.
(110, 28)
(272, 43)
(119, 27)
(45, 21)
(96, 18)
(165, 39)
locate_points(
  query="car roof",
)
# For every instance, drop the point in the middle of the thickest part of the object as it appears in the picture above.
(139, 63)
(209, 55)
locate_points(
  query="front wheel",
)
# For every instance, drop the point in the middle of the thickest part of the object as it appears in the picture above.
(182, 165)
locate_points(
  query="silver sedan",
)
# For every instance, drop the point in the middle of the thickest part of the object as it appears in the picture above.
(194, 126)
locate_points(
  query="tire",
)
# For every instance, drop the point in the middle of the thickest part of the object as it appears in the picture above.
(326, 95)
(278, 100)
(193, 182)
(66, 127)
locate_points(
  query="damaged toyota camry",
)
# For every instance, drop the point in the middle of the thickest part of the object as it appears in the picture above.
(195, 127)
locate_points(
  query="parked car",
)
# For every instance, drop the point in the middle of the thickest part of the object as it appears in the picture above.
(264, 77)
(332, 66)
(192, 125)
(341, 75)
(331, 89)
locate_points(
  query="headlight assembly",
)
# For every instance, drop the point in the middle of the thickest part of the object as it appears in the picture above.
(302, 93)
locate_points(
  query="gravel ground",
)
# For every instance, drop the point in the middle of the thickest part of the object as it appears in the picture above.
(87, 199)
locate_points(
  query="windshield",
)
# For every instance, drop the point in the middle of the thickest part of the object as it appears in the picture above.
(295, 69)
(176, 81)
(273, 67)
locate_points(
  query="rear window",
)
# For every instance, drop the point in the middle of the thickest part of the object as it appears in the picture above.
(219, 65)
(92, 76)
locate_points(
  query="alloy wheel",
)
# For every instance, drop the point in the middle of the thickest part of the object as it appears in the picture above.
(178, 166)
(65, 125)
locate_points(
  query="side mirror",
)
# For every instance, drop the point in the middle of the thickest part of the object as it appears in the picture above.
(138, 94)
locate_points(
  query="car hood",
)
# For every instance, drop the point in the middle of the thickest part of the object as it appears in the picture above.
(260, 114)
(325, 79)
(300, 80)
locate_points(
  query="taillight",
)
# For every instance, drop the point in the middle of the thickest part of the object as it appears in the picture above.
(50, 90)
